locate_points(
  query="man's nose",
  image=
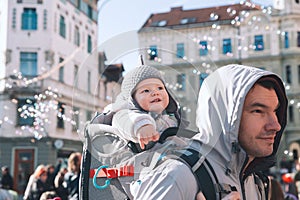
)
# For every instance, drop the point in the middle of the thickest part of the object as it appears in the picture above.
(273, 123)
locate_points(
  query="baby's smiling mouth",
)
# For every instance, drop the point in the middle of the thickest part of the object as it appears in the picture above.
(156, 100)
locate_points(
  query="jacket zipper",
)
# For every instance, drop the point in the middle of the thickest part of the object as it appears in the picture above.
(242, 179)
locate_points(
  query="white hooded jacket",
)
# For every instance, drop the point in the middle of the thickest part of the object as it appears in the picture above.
(219, 111)
(220, 105)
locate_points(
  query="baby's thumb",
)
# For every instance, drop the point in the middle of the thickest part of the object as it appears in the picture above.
(156, 136)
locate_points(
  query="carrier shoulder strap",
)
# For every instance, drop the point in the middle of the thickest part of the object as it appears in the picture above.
(205, 176)
(85, 169)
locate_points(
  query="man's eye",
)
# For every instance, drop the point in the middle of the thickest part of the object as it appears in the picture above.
(257, 111)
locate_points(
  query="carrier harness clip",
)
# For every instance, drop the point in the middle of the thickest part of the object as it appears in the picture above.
(110, 173)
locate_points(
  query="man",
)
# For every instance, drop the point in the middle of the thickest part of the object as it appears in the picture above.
(7, 180)
(241, 116)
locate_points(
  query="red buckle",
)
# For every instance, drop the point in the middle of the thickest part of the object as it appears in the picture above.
(127, 170)
(111, 172)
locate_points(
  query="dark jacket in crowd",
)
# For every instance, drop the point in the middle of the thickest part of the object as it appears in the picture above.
(7, 181)
(72, 183)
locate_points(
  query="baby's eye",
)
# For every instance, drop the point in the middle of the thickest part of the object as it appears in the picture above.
(145, 91)
(160, 88)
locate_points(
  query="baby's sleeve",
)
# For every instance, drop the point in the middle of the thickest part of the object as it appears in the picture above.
(129, 121)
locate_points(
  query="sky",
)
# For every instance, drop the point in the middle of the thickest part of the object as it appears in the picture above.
(119, 21)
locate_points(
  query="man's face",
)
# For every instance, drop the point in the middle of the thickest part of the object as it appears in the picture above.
(151, 95)
(259, 123)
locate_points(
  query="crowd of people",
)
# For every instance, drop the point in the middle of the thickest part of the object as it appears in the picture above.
(47, 182)
(58, 183)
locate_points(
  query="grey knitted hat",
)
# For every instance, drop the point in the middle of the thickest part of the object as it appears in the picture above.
(134, 77)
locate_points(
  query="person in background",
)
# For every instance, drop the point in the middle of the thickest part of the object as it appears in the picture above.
(31, 180)
(52, 171)
(50, 195)
(38, 184)
(297, 177)
(275, 192)
(58, 184)
(6, 180)
(71, 178)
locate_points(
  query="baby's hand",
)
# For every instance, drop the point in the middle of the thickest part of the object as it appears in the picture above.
(146, 134)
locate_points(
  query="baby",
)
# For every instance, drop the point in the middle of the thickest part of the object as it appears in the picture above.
(144, 108)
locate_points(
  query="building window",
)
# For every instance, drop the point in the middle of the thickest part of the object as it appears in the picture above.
(298, 39)
(78, 3)
(291, 113)
(13, 24)
(76, 36)
(288, 72)
(75, 122)
(259, 42)
(202, 76)
(61, 71)
(62, 27)
(181, 85)
(159, 23)
(29, 19)
(45, 20)
(152, 52)
(25, 112)
(89, 82)
(188, 20)
(28, 64)
(60, 115)
(227, 46)
(180, 50)
(286, 40)
(90, 11)
(203, 48)
(89, 44)
(76, 76)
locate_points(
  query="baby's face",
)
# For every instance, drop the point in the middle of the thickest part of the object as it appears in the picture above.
(151, 95)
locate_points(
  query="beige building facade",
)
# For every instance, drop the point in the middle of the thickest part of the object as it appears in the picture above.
(51, 81)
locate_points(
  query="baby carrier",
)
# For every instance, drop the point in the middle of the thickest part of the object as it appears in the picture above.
(109, 162)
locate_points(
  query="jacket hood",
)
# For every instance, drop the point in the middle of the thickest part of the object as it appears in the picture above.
(219, 110)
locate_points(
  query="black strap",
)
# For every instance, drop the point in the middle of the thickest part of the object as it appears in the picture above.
(85, 169)
(265, 180)
(205, 183)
